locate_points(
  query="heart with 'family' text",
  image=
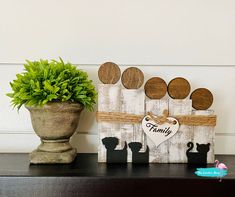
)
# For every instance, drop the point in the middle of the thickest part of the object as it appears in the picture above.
(159, 133)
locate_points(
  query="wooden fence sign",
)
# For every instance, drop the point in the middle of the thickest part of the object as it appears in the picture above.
(148, 126)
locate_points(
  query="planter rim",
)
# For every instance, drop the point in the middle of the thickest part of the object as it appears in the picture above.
(58, 106)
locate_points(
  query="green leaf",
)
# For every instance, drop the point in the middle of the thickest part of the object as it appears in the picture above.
(47, 86)
(44, 81)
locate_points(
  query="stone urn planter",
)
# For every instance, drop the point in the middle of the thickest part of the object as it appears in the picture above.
(55, 123)
(55, 93)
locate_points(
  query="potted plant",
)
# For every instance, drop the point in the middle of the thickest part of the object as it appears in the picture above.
(55, 93)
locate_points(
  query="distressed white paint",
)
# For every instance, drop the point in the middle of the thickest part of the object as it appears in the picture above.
(204, 135)
(159, 133)
(172, 150)
(157, 154)
(108, 101)
(178, 143)
(133, 102)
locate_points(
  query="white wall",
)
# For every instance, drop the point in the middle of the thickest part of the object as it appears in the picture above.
(150, 32)
(126, 31)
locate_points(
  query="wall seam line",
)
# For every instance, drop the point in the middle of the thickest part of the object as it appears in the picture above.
(122, 65)
(83, 133)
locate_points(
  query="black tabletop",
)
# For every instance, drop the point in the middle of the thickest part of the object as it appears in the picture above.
(86, 165)
(86, 177)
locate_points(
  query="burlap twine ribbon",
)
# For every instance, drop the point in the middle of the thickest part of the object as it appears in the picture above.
(190, 120)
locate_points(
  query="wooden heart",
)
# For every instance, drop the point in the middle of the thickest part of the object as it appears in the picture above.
(159, 133)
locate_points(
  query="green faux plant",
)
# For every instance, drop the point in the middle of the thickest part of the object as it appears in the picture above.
(45, 81)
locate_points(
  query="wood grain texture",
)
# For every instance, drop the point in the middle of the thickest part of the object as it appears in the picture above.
(155, 88)
(108, 101)
(133, 102)
(109, 73)
(204, 135)
(178, 88)
(178, 143)
(157, 154)
(132, 78)
(202, 99)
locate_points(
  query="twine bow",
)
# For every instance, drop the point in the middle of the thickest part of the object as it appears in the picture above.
(161, 119)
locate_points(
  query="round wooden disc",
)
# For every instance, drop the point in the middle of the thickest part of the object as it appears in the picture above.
(155, 88)
(202, 99)
(109, 73)
(132, 78)
(178, 88)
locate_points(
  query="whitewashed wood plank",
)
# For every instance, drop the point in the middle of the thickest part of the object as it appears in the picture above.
(133, 102)
(204, 135)
(178, 143)
(108, 101)
(157, 154)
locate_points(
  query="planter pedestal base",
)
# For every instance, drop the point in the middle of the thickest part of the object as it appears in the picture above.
(42, 157)
(54, 123)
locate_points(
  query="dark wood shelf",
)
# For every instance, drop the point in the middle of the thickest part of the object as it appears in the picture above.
(86, 177)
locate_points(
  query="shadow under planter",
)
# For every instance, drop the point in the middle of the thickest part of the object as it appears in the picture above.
(54, 123)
